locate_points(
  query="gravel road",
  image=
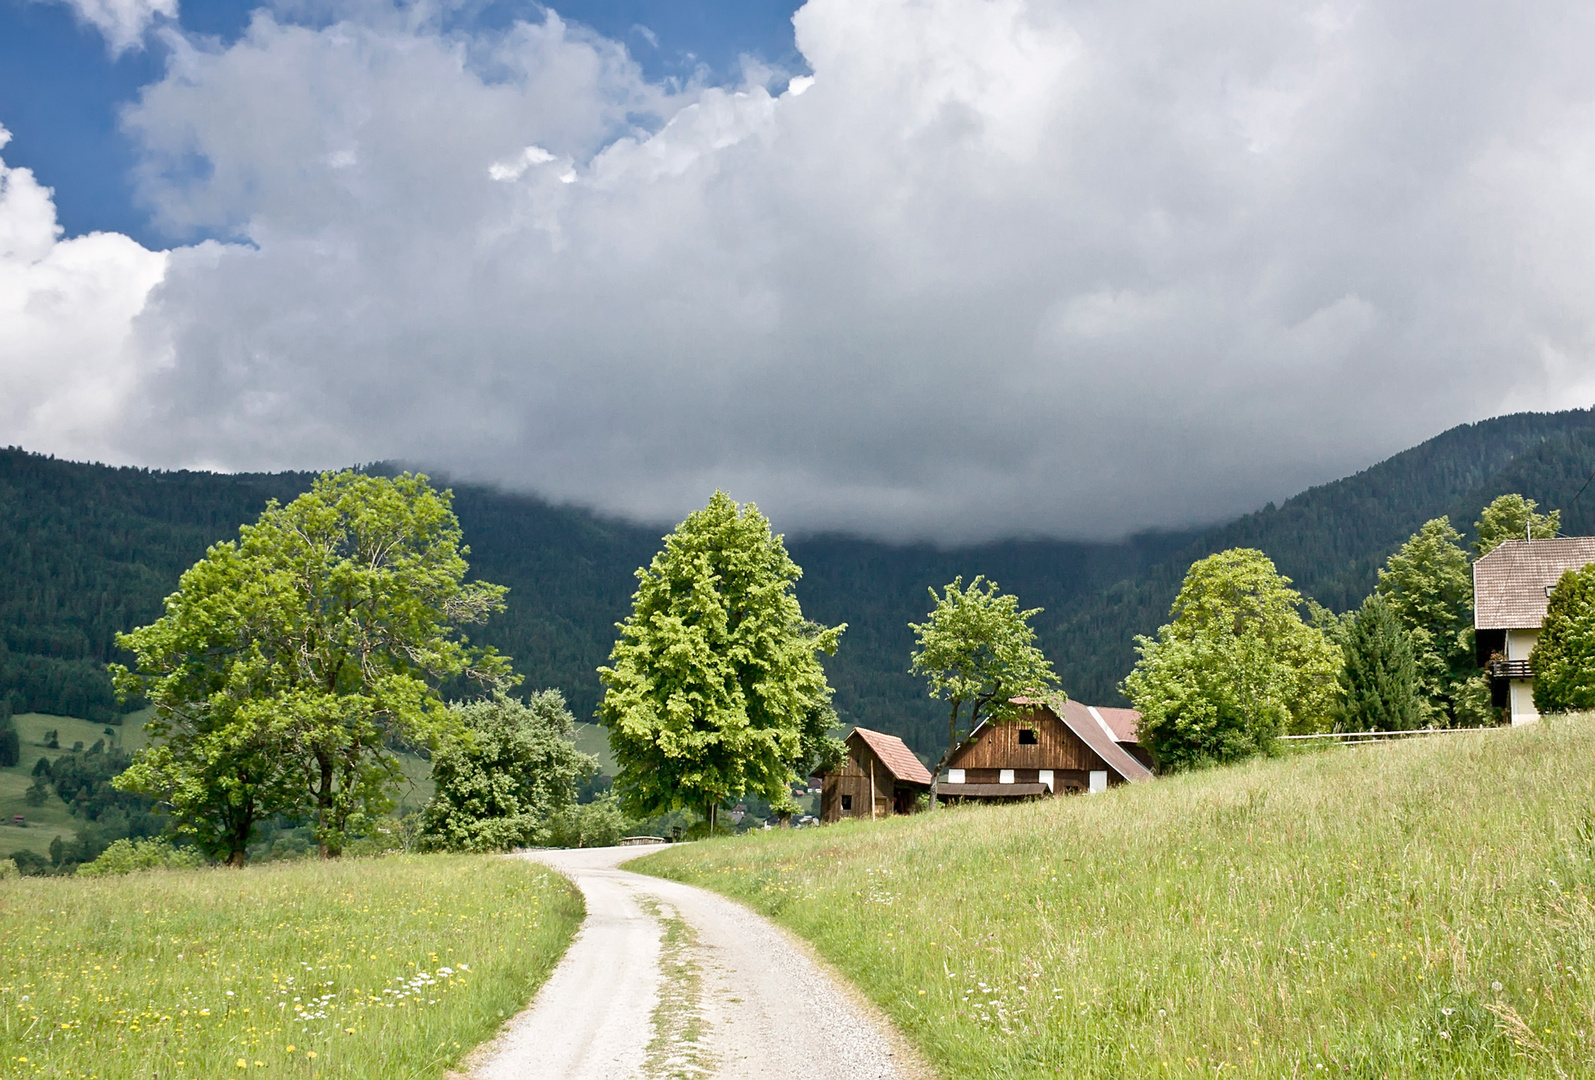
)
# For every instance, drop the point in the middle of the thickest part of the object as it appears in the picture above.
(665, 980)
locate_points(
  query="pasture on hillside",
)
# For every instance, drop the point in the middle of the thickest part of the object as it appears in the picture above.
(1420, 909)
(362, 969)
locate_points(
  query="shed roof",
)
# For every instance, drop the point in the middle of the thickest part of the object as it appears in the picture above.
(1093, 729)
(1511, 583)
(895, 755)
(1124, 723)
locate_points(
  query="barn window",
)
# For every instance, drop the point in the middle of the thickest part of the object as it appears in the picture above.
(847, 802)
(1027, 737)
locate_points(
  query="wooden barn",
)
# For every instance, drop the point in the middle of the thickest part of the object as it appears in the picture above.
(1053, 748)
(879, 777)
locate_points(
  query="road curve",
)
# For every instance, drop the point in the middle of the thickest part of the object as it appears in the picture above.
(666, 980)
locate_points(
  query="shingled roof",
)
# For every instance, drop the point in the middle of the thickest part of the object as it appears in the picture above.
(1511, 584)
(896, 756)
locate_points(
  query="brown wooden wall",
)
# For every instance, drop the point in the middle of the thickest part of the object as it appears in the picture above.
(852, 778)
(1056, 748)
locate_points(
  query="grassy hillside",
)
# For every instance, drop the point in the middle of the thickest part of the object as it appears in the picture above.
(362, 969)
(1397, 910)
(86, 551)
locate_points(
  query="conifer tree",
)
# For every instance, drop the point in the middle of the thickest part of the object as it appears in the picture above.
(1564, 657)
(1379, 681)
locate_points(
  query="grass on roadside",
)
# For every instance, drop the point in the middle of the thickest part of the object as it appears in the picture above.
(1395, 910)
(365, 969)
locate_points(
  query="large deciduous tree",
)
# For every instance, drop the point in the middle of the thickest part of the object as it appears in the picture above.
(1428, 584)
(513, 767)
(1234, 668)
(290, 663)
(1512, 517)
(1564, 656)
(714, 687)
(1379, 678)
(977, 651)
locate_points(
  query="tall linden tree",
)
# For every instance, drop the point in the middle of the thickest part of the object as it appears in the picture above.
(290, 662)
(714, 687)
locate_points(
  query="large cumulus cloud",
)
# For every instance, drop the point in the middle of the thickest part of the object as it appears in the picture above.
(998, 266)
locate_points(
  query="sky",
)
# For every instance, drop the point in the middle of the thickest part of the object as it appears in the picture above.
(913, 269)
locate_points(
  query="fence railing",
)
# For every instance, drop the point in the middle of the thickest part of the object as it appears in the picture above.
(1374, 736)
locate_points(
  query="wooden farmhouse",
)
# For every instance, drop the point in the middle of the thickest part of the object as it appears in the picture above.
(1511, 589)
(879, 777)
(1053, 748)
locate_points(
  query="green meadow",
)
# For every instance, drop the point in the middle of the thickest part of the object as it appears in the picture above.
(51, 819)
(361, 969)
(1394, 910)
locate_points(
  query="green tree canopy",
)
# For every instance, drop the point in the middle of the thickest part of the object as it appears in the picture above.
(1234, 668)
(1564, 656)
(714, 687)
(1379, 679)
(290, 663)
(511, 769)
(1512, 517)
(1428, 583)
(977, 651)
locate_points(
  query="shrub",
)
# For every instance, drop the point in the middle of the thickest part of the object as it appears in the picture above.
(128, 856)
(513, 768)
(8, 868)
(599, 823)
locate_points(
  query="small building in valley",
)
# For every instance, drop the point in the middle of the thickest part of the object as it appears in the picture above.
(1053, 748)
(1511, 588)
(879, 777)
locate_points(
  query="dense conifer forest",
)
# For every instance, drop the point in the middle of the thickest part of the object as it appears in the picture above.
(87, 550)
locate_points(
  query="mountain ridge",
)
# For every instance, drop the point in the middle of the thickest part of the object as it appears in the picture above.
(87, 550)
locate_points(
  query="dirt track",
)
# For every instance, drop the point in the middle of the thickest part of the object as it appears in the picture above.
(665, 980)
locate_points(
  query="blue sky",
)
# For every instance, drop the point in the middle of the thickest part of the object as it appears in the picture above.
(61, 90)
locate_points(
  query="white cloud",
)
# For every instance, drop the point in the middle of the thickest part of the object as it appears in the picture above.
(66, 322)
(122, 22)
(996, 266)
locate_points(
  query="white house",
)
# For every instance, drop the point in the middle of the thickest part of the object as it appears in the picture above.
(1511, 586)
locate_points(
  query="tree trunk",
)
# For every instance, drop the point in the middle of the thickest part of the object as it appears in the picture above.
(236, 857)
(324, 846)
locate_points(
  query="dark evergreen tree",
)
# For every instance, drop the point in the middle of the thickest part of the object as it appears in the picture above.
(1379, 681)
(1564, 658)
(10, 742)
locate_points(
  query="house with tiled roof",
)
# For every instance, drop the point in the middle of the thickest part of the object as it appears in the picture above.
(879, 777)
(1511, 587)
(1053, 747)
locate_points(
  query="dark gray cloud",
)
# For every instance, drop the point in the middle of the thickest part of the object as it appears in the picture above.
(1002, 266)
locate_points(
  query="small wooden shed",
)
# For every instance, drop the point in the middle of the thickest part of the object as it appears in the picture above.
(1052, 748)
(879, 777)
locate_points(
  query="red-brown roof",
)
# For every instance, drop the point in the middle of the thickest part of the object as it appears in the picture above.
(1125, 723)
(896, 756)
(1511, 583)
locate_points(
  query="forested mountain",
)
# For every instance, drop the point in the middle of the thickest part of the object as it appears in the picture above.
(87, 550)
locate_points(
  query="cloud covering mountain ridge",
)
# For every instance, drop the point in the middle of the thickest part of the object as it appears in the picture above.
(997, 267)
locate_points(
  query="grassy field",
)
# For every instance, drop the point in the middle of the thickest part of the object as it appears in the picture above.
(389, 969)
(46, 822)
(1404, 909)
